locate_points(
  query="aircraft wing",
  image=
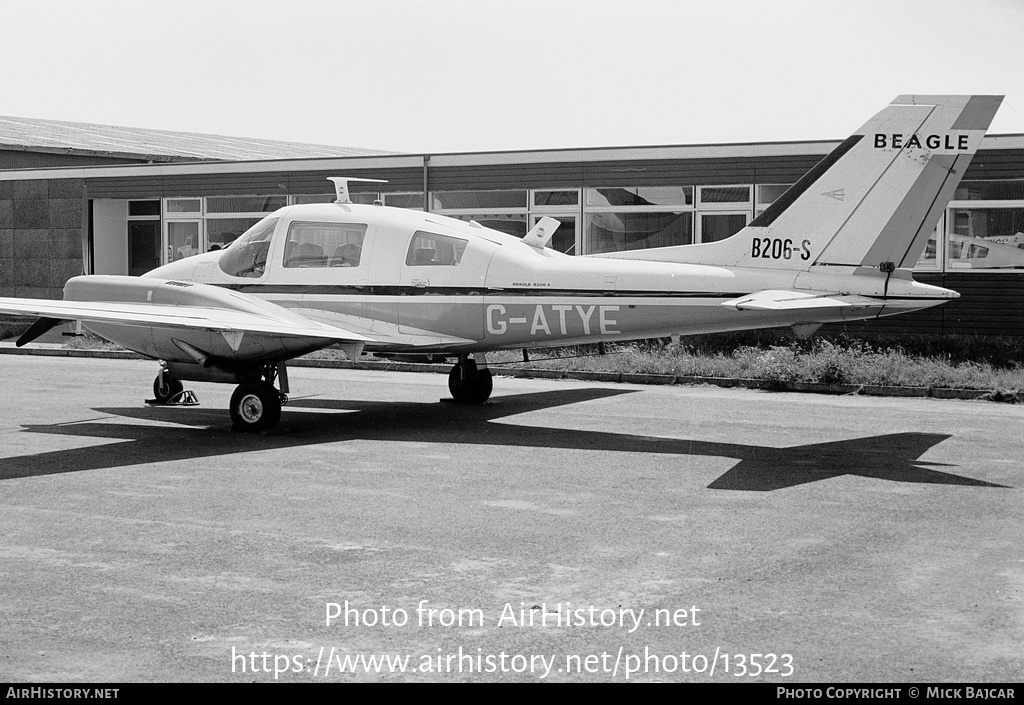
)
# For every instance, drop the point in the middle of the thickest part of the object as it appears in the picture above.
(385, 333)
(179, 316)
(781, 300)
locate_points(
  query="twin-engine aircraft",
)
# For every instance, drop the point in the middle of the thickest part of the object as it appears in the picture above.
(837, 246)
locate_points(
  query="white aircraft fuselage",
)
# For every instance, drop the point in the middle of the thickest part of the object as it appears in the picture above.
(501, 293)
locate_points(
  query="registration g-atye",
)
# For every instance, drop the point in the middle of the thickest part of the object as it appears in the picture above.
(839, 245)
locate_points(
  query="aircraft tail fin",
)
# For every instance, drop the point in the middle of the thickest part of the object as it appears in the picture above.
(869, 206)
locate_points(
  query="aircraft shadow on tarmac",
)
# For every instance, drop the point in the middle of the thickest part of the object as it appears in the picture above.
(194, 432)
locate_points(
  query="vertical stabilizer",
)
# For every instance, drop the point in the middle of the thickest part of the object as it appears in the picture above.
(869, 206)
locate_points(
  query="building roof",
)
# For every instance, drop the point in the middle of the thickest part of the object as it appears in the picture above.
(56, 136)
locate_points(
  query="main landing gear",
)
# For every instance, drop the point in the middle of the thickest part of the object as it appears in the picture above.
(468, 383)
(255, 404)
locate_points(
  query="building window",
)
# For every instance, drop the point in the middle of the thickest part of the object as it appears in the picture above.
(195, 225)
(556, 198)
(183, 205)
(984, 226)
(509, 223)
(244, 204)
(614, 231)
(637, 217)
(305, 199)
(1008, 190)
(227, 217)
(719, 226)
(767, 194)
(144, 209)
(723, 197)
(985, 238)
(650, 196)
(478, 201)
(411, 200)
(504, 211)
(565, 206)
(182, 239)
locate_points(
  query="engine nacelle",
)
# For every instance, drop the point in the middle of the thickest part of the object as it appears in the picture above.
(213, 347)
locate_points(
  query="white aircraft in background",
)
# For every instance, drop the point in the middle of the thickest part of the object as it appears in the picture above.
(837, 246)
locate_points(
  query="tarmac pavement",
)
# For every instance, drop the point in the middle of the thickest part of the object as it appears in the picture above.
(566, 531)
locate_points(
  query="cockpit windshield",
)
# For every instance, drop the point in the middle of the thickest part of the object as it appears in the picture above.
(247, 256)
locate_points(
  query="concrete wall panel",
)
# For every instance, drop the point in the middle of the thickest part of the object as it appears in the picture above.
(31, 213)
(32, 244)
(65, 212)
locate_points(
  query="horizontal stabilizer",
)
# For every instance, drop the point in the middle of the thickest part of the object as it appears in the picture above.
(796, 300)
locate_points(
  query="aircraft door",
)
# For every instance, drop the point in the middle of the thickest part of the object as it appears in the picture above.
(324, 266)
(442, 287)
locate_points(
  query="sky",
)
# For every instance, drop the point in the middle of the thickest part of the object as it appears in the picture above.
(438, 76)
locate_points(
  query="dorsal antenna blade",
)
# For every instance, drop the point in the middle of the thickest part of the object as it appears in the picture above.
(341, 194)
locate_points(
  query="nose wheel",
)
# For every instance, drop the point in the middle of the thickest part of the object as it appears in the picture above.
(166, 387)
(469, 384)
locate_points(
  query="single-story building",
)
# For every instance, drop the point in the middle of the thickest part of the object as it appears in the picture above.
(140, 205)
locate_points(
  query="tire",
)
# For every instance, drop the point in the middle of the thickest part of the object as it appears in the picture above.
(469, 385)
(255, 406)
(166, 387)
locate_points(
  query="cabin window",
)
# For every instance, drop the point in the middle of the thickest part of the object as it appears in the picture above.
(432, 250)
(324, 245)
(247, 256)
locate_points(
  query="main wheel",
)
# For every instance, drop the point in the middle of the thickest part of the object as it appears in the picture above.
(468, 384)
(255, 406)
(166, 386)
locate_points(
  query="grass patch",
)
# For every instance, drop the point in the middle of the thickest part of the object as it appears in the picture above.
(953, 362)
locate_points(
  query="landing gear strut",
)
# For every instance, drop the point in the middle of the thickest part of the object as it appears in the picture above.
(468, 383)
(256, 405)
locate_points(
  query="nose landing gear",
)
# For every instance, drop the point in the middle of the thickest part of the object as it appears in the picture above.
(166, 387)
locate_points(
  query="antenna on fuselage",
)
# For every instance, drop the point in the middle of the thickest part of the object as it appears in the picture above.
(341, 187)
